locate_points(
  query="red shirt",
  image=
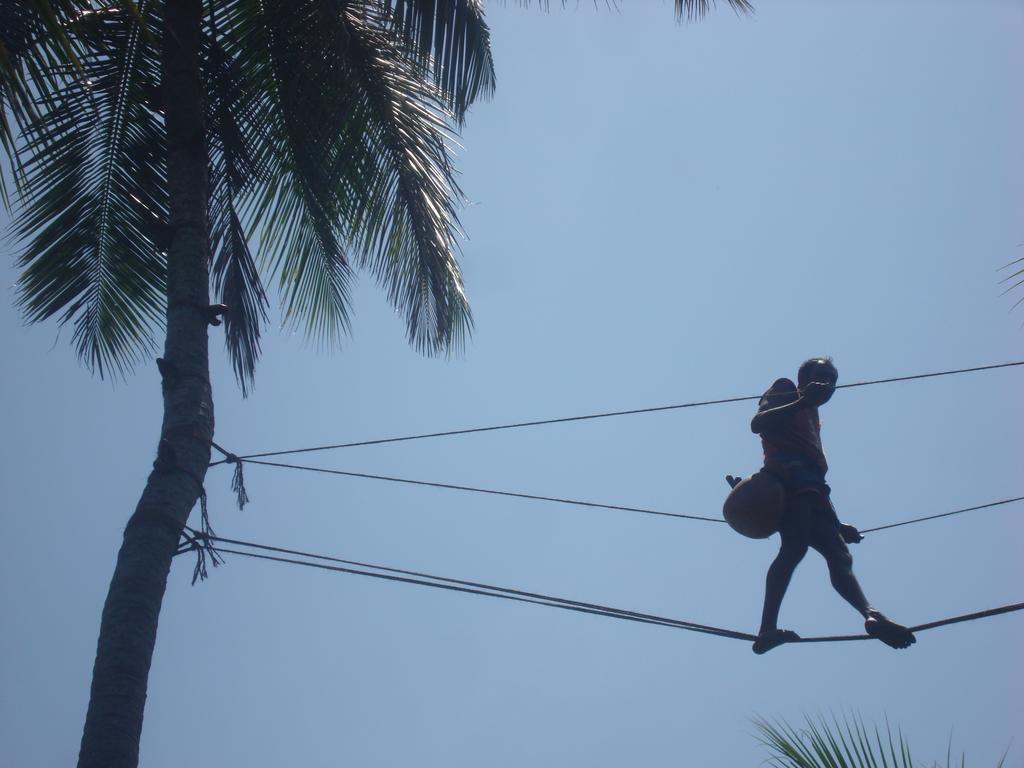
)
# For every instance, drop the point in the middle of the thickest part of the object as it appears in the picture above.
(795, 435)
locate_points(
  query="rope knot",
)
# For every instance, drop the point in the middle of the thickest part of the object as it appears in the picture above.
(202, 543)
(237, 478)
(238, 482)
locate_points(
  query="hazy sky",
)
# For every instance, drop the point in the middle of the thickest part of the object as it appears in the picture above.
(658, 213)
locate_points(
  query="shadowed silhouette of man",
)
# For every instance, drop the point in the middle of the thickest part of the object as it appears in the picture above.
(787, 421)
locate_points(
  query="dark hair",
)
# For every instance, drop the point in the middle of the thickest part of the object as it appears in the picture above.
(811, 366)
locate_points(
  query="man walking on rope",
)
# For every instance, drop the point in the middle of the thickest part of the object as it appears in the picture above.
(787, 421)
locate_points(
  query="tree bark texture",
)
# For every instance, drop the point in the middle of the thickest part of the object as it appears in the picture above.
(113, 724)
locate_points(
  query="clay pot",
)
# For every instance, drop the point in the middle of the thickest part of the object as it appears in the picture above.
(754, 507)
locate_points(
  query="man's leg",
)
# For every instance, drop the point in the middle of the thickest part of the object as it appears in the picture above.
(795, 534)
(826, 539)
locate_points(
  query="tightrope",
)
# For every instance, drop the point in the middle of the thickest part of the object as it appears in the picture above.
(339, 565)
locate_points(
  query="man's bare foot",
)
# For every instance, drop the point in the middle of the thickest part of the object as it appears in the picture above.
(773, 638)
(889, 632)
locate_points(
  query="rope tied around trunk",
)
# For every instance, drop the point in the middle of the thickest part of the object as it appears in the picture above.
(201, 542)
(237, 478)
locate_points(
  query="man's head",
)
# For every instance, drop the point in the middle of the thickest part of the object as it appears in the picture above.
(817, 369)
(821, 373)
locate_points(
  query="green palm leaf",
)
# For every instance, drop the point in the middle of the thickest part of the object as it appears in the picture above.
(1015, 279)
(697, 9)
(94, 201)
(231, 111)
(329, 135)
(690, 10)
(356, 163)
(34, 48)
(287, 59)
(406, 224)
(450, 40)
(19, 25)
(236, 282)
(839, 744)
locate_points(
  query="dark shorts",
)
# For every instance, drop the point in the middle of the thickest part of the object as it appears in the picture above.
(806, 522)
(809, 517)
(798, 476)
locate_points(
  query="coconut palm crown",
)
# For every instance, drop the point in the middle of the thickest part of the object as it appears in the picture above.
(328, 135)
(328, 143)
(152, 144)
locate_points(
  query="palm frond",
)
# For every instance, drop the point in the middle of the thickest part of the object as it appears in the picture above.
(686, 10)
(693, 10)
(837, 744)
(34, 40)
(287, 60)
(405, 223)
(450, 40)
(846, 743)
(356, 165)
(236, 283)
(94, 201)
(231, 112)
(1015, 279)
(18, 26)
(35, 48)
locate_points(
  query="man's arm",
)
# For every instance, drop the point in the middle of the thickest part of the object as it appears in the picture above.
(850, 533)
(847, 532)
(768, 418)
(780, 401)
(814, 394)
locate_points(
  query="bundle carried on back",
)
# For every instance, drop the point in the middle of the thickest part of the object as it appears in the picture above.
(754, 506)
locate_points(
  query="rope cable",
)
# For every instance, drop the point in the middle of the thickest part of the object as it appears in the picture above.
(969, 617)
(495, 427)
(943, 514)
(417, 577)
(485, 590)
(593, 504)
(471, 489)
(607, 414)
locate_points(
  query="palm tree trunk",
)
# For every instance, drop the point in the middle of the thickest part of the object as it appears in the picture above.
(113, 724)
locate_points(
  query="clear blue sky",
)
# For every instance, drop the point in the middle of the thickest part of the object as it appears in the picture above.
(659, 213)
